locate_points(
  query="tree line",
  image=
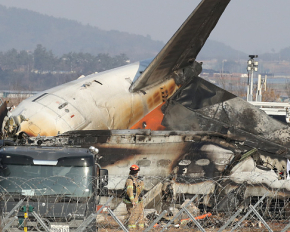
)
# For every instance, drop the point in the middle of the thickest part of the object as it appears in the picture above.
(40, 69)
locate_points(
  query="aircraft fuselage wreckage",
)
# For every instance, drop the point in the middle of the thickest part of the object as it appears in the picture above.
(120, 98)
(204, 132)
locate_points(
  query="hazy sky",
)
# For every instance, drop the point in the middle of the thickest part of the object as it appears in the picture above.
(252, 26)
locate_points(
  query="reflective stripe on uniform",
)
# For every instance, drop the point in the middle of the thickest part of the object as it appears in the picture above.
(141, 225)
(129, 202)
(126, 201)
(129, 186)
(131, 226)
(132, 197)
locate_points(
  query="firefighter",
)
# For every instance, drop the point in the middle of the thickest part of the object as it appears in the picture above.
(133, 199)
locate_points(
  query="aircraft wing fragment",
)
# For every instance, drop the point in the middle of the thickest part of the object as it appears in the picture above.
(182, 49)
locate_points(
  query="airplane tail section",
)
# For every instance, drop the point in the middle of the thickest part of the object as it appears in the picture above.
(182, 49)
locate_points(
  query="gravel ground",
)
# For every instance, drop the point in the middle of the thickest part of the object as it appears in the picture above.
(110, 225)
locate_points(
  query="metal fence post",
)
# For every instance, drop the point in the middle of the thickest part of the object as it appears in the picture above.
(6, 227)
(249, 212)
(193, 219)
(12, 211)
(286, 228)
(230, 220)
(156, 220)
(179, 213)
(90, 218)
(260, 217)
(117, 220)
(40, 221)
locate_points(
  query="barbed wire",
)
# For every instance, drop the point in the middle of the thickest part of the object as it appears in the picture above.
(211, 203)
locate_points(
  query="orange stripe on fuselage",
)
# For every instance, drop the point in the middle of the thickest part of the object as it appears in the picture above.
(152, 120)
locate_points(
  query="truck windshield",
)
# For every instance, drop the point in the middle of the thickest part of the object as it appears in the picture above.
(68, 177)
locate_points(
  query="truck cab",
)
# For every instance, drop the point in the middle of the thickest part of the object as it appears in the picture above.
(59, 184)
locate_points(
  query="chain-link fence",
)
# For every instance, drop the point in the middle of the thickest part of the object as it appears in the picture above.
(176, 203)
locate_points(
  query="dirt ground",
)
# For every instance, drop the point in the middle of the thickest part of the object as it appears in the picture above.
(211, 223)
(190, 230)
(109, 225)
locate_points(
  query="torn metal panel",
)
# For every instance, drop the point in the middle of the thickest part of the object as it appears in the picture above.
(220, 111)
(199, 93)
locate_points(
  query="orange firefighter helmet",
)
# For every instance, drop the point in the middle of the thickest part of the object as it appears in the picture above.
(134, 167)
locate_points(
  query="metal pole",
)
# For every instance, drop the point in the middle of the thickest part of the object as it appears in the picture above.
(194, 220)
(258, 95)
(117, 220)
(260, 217)
(156, 220)
(40, 221)
(252, 83)
(90, 218)
(286, 228)
(25, 218)
(248, 93)
(248, 88)
(12, 211)
(249, 212)
(9, 224)
(230, 220)
(177, 215)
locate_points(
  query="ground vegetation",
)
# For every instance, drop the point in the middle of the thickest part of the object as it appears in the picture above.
(42, 69)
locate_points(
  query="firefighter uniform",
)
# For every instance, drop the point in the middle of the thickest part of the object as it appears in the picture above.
(133, 199)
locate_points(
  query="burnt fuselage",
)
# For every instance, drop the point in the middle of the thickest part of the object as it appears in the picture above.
(196, 159)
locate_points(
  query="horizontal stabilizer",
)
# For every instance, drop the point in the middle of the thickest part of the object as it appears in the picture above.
(182, 49)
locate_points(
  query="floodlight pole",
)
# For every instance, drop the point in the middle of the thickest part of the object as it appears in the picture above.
(252, 66)
(259, 89)
(252, 85)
